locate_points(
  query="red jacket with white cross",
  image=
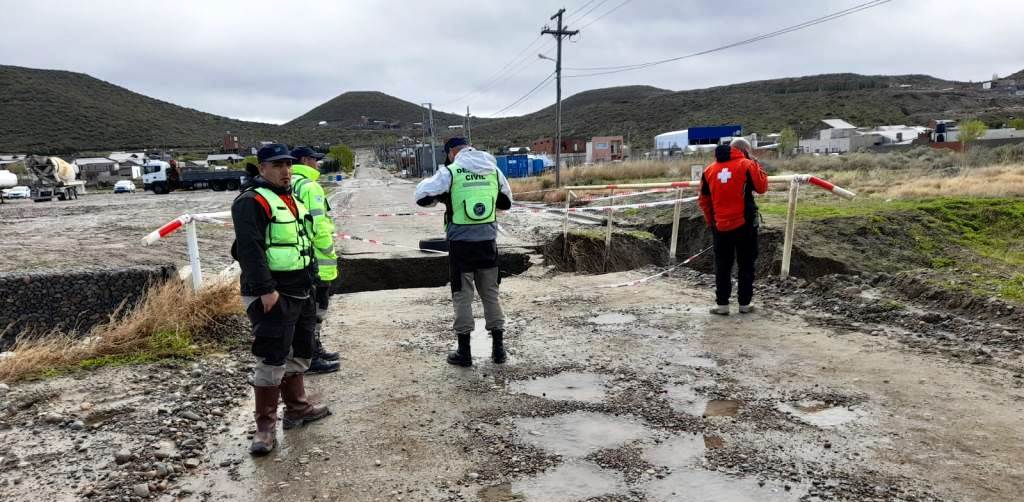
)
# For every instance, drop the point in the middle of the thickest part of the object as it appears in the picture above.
(726, 189)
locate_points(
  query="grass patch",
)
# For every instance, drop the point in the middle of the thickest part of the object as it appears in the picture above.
(600, 235)
(171, 322)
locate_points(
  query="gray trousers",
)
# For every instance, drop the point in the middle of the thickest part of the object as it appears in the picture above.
(486, 283)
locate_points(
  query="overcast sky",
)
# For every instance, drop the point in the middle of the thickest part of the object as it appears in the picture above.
(273, 61)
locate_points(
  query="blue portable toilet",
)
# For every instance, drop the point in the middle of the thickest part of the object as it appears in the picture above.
(503, 164)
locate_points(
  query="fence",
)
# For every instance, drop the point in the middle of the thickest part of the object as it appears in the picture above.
(794, 182)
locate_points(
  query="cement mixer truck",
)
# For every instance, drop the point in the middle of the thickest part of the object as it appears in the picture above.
(52, 177)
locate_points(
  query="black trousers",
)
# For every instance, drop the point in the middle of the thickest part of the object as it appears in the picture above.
(738, 246)
(289, 325)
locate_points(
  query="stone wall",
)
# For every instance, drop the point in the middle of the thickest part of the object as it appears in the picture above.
(70, 300)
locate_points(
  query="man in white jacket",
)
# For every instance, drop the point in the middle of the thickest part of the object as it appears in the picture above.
(473, 189)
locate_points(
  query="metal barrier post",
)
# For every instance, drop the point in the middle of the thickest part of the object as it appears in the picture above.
(565, 225)
(608, 236)
(787, 245)
(676, 214)
(193, 255)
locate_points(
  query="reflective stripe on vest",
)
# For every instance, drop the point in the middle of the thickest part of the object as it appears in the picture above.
(288, 245)
(326, 258)
(474, 196)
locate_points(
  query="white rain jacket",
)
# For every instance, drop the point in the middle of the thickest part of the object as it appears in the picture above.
(440, 183)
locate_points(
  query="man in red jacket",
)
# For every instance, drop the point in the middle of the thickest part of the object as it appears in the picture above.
(727, 198)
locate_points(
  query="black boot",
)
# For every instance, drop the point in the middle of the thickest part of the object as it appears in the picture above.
(498, 354)
(320, 353)
(462, 356)
(318, 365)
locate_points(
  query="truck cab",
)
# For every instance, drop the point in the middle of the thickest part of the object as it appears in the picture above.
(156, 175)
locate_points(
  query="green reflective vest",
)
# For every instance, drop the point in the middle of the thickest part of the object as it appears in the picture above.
(306, 189)
(288, 245)
(474, 196)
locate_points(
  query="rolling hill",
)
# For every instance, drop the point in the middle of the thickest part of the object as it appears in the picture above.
(50, 111)
(348, 109)
(57, 111)
(763, 106)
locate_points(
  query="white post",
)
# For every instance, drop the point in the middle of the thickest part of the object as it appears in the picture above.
(193, 255)
(608, 235)
(565, 225)
(676, 214)
(787, 245)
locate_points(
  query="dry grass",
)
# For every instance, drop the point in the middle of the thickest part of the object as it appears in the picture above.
(161, 325)
(990, 181)
(601, 174)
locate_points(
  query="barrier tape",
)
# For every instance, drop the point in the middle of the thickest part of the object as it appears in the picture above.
(602, 208)
(350, 237)
(659, 274)
(390, 215)
(591, 198)
(175, 224)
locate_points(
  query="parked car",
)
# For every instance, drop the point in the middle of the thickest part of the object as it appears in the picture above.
(124, 186)
(18, 192)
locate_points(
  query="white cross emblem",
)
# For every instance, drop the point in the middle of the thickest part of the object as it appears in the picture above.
(724, 175)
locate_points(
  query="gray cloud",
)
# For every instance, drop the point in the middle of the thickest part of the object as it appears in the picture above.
(275, 60)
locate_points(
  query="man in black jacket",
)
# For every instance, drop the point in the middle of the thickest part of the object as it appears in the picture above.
(472, 188)
(274, 250)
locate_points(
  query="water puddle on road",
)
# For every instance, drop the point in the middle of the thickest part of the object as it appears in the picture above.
(565, 483)
(710, 486)
(584, 387)
(722, 408)
(678, 452)
(684, 399)
(608, 319)
(820, 414)
(579, 433)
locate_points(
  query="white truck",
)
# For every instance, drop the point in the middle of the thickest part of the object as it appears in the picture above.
(163, 177)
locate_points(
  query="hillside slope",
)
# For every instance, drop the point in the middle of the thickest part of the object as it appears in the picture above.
(60, 111)
(764, 106)
(347, 110)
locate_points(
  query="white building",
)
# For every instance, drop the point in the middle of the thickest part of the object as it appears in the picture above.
(224, 158)
(674, 140)
(839, 136)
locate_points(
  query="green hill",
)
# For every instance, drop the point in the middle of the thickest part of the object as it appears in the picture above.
(348, 109)
(763, 106)
(57, 111)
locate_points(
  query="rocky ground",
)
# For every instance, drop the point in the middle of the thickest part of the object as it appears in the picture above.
(852, 387)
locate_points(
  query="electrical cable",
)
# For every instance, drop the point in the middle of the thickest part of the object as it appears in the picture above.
(606, 70)
(547, 80)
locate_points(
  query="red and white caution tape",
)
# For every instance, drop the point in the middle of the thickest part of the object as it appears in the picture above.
(601, 208)
(350, 237)
(655, 276)
(591, 198)
(390, 215)
(173, 225)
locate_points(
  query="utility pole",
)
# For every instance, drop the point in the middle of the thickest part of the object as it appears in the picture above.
(433, 149)
(469, 126)
(559, 34)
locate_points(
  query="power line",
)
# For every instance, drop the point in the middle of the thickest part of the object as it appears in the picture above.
(606, 70)
(547, 80)
(516, 62)
(592, 9)
(617, 7)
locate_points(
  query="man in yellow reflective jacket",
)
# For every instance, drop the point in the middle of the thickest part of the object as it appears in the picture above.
(307, 189)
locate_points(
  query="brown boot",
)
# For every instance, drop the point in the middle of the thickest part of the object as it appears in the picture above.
(298, 410)
(266, 420)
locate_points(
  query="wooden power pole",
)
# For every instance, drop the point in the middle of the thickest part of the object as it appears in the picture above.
(559, 34)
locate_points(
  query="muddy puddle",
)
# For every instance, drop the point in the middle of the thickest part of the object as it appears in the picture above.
(820, 414)
(583, 387)
(612, 319)
(686, 450)
(722, 408)
(711, 486)
(569, 482)
(580, 433)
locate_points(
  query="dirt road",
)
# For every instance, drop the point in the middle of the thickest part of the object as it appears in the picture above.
(611, 394)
